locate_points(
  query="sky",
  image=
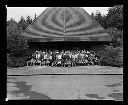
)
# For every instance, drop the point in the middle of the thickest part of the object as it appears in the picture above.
(17, 12)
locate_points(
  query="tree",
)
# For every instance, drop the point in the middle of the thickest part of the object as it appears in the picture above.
(100, 19)
(16, 45)
(22, 23)
(111, 56)
(28, 20)
(13, 28)
(35, 17)
(92, 15)
(117, 36)
(115, 17)
(10, 20)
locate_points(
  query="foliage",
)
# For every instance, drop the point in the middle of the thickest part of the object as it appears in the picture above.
(28, 21)
(117, 36)
(10, 20)
(35, 17)
(100, 19)
(22, 23)
(115, 17)
(13, 61)
(16, 45)
(13, 28)
(111, 56)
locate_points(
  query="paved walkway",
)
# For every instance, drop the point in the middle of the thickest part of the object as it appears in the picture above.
(65, 87)
(38, 70)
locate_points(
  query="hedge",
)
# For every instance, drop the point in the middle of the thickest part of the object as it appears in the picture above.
(111, 56)
(13, 61)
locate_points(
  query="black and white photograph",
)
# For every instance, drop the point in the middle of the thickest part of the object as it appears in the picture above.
(65, 53)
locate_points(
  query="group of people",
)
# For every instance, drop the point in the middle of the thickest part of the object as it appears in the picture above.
(63, 58)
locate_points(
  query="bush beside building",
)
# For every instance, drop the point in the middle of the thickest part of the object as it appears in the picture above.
(111, 56)
(16, 47)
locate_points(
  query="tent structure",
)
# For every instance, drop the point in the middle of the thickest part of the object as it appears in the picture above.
(65, 24)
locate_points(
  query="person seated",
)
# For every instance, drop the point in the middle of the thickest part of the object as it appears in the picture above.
(85, 62)
(45, 57)
(96, 62)
(31, 62)
(38, 62)
(67, 63)
(58, 59)
(50, 59)
(47, 63)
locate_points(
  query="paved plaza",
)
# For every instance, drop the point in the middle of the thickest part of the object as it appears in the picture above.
(65, 87)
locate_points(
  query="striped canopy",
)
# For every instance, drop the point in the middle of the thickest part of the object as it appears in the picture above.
(65, 24)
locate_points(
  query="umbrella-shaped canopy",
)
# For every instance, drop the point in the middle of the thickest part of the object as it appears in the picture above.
(65, 24)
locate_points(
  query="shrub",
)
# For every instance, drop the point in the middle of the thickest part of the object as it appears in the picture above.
(13, 61)
(117, 36)
(111, 56)
(16, 45)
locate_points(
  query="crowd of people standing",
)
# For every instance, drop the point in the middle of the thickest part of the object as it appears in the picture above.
(63, 58)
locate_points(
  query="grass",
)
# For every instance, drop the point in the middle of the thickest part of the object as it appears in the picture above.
(61, 70)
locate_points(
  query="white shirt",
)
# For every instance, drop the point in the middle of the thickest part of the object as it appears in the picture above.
(37, 55)
(59, 57)
(50, 57)
(45, 56)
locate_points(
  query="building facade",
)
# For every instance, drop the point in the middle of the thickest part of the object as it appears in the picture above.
(66, 28)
